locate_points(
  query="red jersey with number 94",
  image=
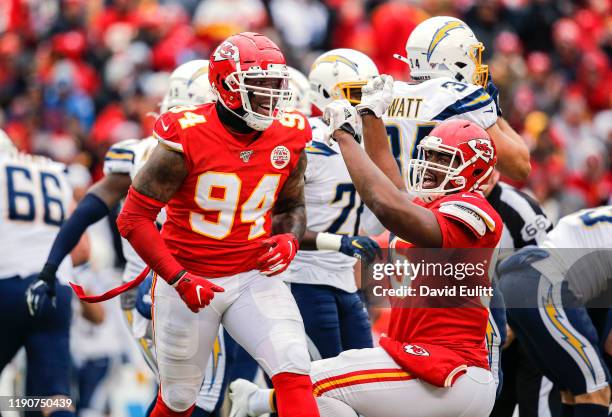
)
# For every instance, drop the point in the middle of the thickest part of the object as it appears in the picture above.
(217, 219)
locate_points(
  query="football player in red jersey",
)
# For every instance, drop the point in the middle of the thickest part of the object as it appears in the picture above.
(230, 176)
(441, 350)
(434, 361)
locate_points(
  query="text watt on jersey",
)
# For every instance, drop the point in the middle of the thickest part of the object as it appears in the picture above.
(405, 107)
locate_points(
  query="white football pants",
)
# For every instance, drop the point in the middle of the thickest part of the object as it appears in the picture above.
(368, 382)
(259, 312)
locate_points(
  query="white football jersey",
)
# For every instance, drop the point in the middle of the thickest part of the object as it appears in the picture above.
(34, 201)
(417, 108)
(127, 157)
(332, 206)
(580, 248)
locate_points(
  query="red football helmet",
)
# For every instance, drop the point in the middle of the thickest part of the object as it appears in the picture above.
(472, 159)
(251, 79)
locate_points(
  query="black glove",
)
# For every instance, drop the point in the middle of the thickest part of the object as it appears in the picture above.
(41, 291)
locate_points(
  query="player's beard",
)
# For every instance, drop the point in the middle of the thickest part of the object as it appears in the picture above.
(232, 119)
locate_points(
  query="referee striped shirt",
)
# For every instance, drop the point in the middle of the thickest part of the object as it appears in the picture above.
(524, 221)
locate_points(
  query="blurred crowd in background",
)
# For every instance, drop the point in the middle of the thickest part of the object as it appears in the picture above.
(79, 75)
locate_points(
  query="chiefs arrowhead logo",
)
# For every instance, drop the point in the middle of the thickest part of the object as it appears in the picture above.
(416, 350)
(226, 50)
(482, 148)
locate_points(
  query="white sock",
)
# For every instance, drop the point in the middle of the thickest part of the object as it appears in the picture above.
(260, 402)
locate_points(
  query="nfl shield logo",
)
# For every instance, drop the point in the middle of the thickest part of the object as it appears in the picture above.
(245, 156)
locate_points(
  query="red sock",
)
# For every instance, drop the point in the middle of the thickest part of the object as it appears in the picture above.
(294, 395)
(162, 410)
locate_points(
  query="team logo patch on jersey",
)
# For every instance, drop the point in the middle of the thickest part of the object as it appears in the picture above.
(245, 156)
(416, 350)
(280, 157)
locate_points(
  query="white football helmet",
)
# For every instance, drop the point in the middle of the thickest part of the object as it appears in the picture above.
(300, 86)
(445, 46)
(340, 73)
(188, 85)
(6, 144)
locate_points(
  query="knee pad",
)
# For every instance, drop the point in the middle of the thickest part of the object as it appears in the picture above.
(298, 356)
(179, 397)
(290, 354)
(163, 409)
(180, 385)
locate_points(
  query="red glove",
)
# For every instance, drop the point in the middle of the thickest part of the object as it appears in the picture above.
(196, 291)
(281, 251)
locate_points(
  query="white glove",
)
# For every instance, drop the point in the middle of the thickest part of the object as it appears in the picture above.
(340, 114)
(377, 95)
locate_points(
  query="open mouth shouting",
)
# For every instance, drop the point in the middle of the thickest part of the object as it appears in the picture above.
(429, 180)
(262, 108)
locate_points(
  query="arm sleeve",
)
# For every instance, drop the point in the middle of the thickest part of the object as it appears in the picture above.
(136, 223)
(89, 210)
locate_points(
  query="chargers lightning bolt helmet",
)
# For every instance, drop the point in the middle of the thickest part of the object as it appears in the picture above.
(188, 85)
(338, 74)
(445, 46)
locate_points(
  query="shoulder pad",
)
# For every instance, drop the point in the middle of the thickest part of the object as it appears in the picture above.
(165, 131)
(119, 159)
(477, 219)
(465, 99)
(319, 148)
(293, 119)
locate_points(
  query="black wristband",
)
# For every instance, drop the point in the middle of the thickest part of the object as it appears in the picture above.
(365, 111)
(177, 277)
(348, 129)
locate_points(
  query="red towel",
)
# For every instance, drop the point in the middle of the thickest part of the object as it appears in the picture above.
(112, 292)
(434, 364)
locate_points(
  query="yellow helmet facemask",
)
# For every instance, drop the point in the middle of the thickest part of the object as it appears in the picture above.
(481, 71)
(351, 90)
